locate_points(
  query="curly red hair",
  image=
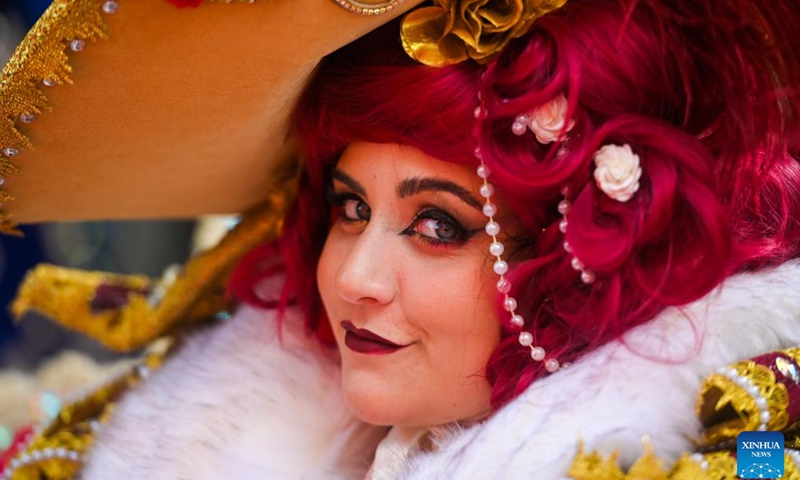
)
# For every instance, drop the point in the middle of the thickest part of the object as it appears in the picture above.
(705, 92)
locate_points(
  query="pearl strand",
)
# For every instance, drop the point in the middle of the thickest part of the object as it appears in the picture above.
(753, 391)
(500, 267)
(564, 207)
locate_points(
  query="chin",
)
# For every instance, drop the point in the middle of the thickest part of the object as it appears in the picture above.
(372, 409)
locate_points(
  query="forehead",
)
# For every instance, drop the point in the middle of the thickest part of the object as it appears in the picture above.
(394, 163)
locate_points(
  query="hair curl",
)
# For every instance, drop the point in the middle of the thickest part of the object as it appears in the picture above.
(705, 92)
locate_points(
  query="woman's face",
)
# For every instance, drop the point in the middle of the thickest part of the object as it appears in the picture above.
(408, 288)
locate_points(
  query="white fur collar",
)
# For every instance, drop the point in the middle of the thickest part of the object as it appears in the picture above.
(235, 404)
(619, 393)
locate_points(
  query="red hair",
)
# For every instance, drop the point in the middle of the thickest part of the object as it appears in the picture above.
(705, 92)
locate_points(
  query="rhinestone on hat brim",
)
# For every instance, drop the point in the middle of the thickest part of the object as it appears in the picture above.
(363, 8)
(31, 68)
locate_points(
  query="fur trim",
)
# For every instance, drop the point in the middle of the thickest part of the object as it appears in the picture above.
(645, 384)
(234, 403)
(237, 402)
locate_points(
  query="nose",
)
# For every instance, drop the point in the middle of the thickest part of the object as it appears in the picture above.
(367, 274)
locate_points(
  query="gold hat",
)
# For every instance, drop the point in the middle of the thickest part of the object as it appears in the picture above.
(114, 109)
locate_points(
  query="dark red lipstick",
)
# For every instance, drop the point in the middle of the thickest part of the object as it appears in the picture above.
(361, 340)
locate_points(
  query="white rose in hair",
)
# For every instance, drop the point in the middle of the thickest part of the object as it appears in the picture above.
(618, 171)
(547, 121)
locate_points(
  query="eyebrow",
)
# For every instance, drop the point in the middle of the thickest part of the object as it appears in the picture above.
(413, 186)
(349, 181)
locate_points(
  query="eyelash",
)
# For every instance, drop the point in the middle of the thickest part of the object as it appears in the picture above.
(462, 235)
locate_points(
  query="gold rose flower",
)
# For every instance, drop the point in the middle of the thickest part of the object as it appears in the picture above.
(459, 29)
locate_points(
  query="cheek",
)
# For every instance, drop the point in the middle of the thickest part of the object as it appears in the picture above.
(328, 264)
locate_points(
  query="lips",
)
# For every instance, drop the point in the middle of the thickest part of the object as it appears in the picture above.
(361, 340)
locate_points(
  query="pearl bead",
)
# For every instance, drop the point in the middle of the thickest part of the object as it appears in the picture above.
(525, 339)
(489, 209)
(523, 119)
(537, 353)
(761, 403)
(110, 7)
(486, 190)
(142, 371)
(564, 207)
(562, 225)
(492, 228)
(576, 264)
(551, 365)
(765, 417)
(496, 249)
(479, 113)
(587, 276)
(500, 267)
(27, 118)
(2, 180)
(510, 304)
(517, 320)
(10, 152)
(519, 128)
(477, 152)
(49, 82)
(567, 247)
(562, 152)
(77, 45)
(503, 286)
(483, 171)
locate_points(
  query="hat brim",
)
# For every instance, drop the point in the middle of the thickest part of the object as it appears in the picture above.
(178, 112)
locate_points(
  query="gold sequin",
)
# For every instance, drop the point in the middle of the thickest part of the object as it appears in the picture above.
(42, 55)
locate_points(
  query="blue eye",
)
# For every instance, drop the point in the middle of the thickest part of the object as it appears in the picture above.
(436, 229)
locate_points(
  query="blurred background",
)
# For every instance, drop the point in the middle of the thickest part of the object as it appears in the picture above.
(122, 247)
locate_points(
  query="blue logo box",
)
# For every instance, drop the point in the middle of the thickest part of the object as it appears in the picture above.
(759, 455)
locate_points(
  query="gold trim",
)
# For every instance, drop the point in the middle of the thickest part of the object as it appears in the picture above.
(41, 55)
(726, 408)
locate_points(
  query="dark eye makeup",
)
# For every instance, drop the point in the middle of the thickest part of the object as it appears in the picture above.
(431, 226)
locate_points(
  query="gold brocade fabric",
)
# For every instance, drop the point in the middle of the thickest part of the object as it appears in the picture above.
(152, 309)
(41, 56)
(456, 30)
(750, 395)
(711, 466)
(58, 450)
(762, 393)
